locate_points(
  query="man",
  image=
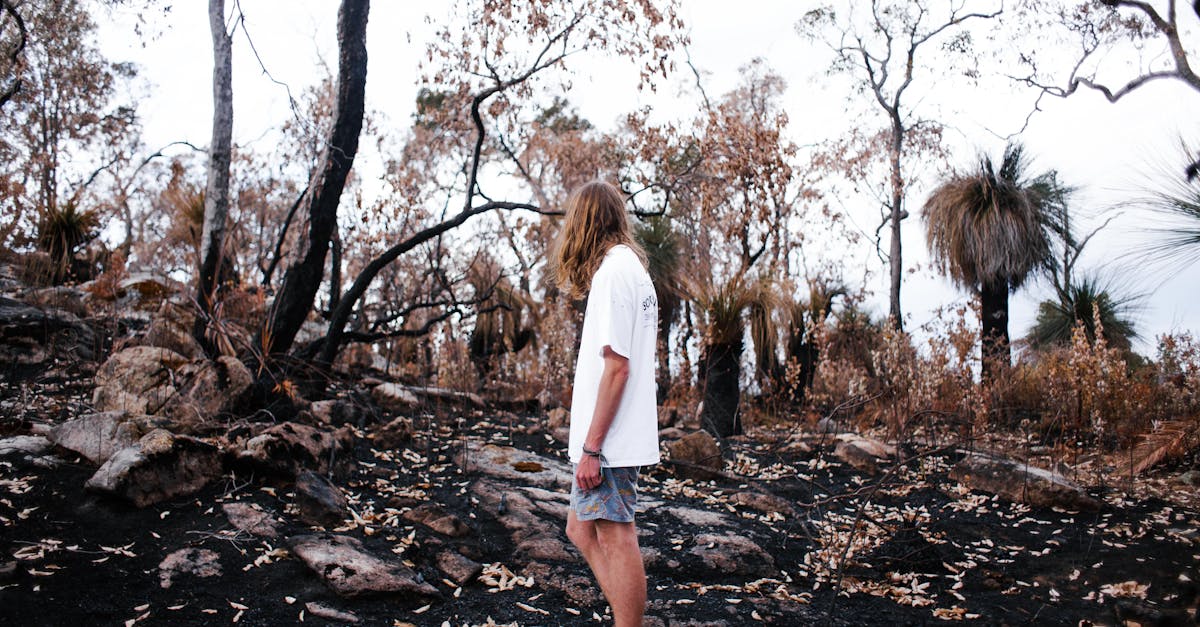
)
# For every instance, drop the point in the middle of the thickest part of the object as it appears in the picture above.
(614, 423)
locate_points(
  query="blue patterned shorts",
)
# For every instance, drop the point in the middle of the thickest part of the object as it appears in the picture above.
(612, 500)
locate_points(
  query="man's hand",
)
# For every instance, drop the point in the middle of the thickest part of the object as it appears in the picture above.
(587, 474)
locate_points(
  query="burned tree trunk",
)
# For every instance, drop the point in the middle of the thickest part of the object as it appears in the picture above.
(216, 195)
(304, 276)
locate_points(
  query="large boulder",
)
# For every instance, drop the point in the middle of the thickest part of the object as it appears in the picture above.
(699, 454)
(1021, 483)
(96, 437)
(160, 466)
(160, 381)
(171, 328)
(28, 334)
(288, 448)
(349, 570)
(139, 380)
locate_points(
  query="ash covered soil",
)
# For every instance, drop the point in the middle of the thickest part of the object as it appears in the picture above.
(787, 533)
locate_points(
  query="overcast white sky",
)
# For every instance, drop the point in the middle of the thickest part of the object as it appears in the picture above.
(1097, 146)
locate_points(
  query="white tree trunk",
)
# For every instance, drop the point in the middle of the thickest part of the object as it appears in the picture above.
(216, 195)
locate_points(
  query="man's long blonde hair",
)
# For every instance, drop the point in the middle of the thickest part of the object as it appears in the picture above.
(595, 223)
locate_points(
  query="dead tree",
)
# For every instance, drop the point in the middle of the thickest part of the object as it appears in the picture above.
(303, 277)
(216, 195)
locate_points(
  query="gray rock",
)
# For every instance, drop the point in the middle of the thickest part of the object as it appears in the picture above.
(519, 466)
(394, 397)
(700, 451)
(324, 611)
(245, 517)
(764, 503)
(28, 327)
(862, 453)
(698, 517)
(97, 436)
(193, 561)
(350, 571)
(320, 502)
(171, 328)
(1021, 483)
(457, 567)
(336, 412)
(731, 554)
(31, 445)
(211, 388)
(139, 380)
(535, 537)
(394, 434)
(288, 448)
(437, 518)
(160, 466)
(1191, 477)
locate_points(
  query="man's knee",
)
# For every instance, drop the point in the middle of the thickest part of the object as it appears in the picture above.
(580, 533)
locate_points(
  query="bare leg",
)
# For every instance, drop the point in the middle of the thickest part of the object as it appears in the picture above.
(582, 534)
(626, 586)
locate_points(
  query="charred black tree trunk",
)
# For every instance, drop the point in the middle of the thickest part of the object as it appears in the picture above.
(993, 306)
(303, 277)
(722, 370)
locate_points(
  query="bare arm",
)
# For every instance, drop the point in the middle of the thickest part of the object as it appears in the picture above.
(612, 386)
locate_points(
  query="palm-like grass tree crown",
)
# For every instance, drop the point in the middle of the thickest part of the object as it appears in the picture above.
(987, 226)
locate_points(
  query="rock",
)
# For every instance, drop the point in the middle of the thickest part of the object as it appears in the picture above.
(829, 425)
(535, 537)
(557, 418)
(31, 445)
(502, 461)
(287, 449)
(345, 566)
(197, 562)
(1021, 483)
(171, 328)
(700, 451)
(147, 286)
(246, 517)
(138, 380)
(320, 502)
(667, 434)
(97, 436)
(394, 434)
(25, 327)
(458, 567)
(701, 518)
(580, 591)
(160, 466)
(764, 503)
(437, 518)
(158, 381)
(336, 412)
(1191, 477)
(212, 388)
(731, 554)
(863, 453)
(324, 611)
(395, 398)
(447, 396)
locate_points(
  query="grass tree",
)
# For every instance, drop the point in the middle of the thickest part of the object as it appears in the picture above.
(662, 245)
(987, 229)
(724, 306)
(1086, 301)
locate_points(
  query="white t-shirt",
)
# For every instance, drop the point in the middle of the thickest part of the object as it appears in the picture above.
(622, 313)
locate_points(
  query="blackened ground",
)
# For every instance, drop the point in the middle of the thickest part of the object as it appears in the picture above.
(924, 547)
